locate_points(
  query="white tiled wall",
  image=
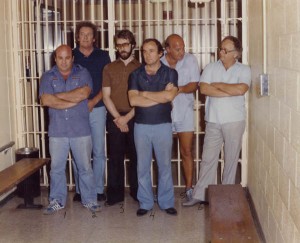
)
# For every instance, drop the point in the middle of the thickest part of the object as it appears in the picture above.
(274, 121)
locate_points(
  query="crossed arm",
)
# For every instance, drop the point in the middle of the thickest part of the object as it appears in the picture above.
(65, 100)
(148, 98)
(219, 89)
(188, 88)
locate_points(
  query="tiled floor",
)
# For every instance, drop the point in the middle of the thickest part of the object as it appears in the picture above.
(114, 224)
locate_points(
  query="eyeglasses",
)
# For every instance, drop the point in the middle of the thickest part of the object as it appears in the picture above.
(225, 50)
(123, 45)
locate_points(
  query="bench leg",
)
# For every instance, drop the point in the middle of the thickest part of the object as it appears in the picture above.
(28, 201)
(28, 204)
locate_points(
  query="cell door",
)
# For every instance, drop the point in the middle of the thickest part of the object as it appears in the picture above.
(42, 25)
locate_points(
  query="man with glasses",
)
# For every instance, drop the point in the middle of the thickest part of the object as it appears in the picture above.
(224, 83)
(120, 119)
(93, 59)
(183, 105)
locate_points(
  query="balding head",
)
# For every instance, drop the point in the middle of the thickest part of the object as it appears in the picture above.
(64, 59)
(174, 46)
(61, 48)
(172, 39)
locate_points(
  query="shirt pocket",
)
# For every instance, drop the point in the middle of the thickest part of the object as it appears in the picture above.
(58, 86)
(75, 82)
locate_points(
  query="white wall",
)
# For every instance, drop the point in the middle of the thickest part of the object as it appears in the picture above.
(274, 121)
(6, 85)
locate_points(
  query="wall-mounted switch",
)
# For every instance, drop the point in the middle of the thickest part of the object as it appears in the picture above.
(264, 84)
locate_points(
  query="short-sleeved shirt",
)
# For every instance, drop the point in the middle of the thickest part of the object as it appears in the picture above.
(115, 76)
(94, 63)
(225, 109)
(188, 72)
(70, 122)
(141, 81)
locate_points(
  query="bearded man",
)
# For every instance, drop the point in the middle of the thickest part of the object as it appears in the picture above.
(119, 122)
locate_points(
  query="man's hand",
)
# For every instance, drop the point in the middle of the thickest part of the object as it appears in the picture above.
(121, 121)
(124, 128)
(91, 105)
(169, 86)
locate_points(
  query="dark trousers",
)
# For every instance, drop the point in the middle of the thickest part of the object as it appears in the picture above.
(120, 144)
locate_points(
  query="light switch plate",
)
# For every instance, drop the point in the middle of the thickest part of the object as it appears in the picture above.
(264, 84)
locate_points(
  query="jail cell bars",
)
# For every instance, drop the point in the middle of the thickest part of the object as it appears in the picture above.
(42, 25)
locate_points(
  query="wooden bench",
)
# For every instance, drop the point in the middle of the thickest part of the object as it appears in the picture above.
(230, 215)
(16, 173)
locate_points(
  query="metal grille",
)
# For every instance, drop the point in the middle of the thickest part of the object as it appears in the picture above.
(42, 25)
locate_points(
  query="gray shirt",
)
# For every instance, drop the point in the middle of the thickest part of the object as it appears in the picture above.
(225, 109)
(188, 71)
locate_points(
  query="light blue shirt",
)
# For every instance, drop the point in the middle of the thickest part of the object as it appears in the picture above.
(225, 109)
(188, 71)
(72, 122)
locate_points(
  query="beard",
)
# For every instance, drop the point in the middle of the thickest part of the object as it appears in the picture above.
(124, 55)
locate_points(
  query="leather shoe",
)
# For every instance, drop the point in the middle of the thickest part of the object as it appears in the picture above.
(193, 202)
(77, 197)
(141, 212)
(171, 211)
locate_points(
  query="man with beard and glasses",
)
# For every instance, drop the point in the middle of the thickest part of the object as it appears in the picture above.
(120, 119)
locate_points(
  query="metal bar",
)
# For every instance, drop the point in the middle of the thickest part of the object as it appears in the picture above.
(196, 23)
(6, 147)
(244, 162)
(111, 28)
(33, 87)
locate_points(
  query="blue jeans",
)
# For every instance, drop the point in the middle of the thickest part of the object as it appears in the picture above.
(97, 123)
(81, 148)
(159, 138)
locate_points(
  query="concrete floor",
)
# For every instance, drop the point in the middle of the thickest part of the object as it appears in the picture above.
(114, 224)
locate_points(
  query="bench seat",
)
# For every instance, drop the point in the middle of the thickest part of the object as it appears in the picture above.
(16, 173)
(230, 215)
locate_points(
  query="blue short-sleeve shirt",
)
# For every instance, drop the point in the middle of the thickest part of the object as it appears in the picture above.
(94, 63)
(139, 80)
(74, 121)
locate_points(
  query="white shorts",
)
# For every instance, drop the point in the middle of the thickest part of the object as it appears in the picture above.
(187, 124)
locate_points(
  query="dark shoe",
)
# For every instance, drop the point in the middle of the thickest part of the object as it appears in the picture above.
(171, 211)
(77, 197)
(141, 212)
(101, 197)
